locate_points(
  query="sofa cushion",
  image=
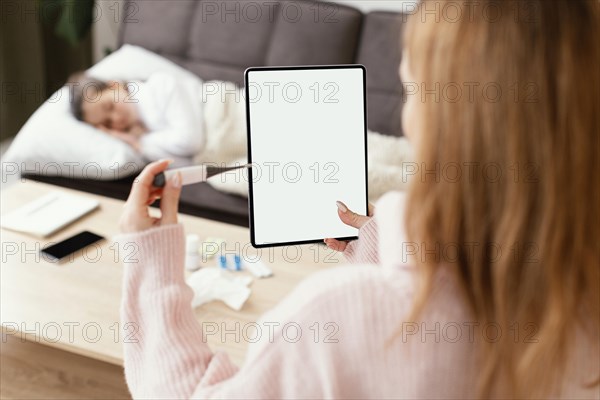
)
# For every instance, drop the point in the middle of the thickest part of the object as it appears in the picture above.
(384, 111)
(379, 51)
(160, 26)
(308, 32)
(209, 70)
(235, 33)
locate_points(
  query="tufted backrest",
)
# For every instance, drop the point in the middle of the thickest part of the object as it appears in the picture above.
(219, 39)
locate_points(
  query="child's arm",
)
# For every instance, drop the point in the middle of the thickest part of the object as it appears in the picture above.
(130, 138)
(137, 130)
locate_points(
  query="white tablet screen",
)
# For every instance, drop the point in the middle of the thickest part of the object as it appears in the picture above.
(307, 145)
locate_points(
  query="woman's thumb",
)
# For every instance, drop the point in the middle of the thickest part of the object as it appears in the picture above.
(169, 201)
(350, 217)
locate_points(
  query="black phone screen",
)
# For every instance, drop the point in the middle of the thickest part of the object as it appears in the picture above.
(71, 245)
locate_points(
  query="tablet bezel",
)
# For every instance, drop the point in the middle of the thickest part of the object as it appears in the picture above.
(248, 132)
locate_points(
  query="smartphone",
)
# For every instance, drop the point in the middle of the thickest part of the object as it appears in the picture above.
(60, 250)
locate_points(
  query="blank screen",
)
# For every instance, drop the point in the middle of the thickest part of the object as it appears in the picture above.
(307, 142)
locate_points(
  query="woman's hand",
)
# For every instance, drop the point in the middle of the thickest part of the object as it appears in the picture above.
(135, 216)
(349, 218)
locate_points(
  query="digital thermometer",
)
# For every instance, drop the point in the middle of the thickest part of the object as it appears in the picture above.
(193, 174)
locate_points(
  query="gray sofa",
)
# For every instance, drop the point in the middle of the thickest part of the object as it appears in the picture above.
(220, 39)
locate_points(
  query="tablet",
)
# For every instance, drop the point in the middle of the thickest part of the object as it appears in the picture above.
(307, 144)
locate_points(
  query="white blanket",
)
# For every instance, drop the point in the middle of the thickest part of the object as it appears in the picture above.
(226, 142)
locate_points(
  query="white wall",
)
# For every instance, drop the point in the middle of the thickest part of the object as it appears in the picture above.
(105, 29)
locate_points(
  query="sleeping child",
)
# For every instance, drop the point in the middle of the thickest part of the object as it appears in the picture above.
(160, 117)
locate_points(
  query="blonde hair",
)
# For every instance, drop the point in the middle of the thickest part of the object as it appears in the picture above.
(529, 109)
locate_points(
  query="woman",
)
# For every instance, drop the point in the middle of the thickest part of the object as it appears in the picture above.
(488, 275)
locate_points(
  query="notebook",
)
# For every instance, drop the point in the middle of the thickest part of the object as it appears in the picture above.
(46, 215)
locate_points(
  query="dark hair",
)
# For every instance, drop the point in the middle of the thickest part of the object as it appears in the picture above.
(79, 83)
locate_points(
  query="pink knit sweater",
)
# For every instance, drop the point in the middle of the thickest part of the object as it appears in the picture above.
(337, 335)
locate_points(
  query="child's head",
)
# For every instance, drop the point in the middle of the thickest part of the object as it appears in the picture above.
(102, 104)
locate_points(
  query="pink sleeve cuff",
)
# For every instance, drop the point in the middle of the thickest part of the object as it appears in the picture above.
(365, 249)
(156, 255)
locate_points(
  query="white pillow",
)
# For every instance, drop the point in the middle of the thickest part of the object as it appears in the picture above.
(53, 142)
(136, 63)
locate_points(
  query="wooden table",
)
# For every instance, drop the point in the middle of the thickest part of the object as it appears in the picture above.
(74, 305)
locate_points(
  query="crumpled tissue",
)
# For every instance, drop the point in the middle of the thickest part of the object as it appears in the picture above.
(215, 284)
